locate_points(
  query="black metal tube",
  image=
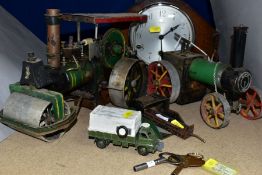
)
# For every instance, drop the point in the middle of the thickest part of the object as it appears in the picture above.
(238, 46)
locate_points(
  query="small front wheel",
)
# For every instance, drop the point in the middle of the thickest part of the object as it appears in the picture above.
(142, 150)
(101, 143)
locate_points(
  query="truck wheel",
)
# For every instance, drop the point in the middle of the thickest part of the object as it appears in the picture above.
(142, 150)
(122, 131)
(101, 143)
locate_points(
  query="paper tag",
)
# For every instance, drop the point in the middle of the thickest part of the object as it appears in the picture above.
(162, 117)
(127, 114)
(154, 29)
(150, 163)
(177, 123)
(218, 168)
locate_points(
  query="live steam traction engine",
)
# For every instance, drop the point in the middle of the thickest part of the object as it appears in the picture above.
(182, 76)
(38, 104)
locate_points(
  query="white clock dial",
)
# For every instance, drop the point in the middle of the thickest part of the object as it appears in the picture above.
(144, 37)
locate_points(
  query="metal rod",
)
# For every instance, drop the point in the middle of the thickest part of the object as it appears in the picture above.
(96, 31)
(78, 32)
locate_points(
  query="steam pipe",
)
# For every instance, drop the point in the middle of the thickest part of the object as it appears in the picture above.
(53, 37)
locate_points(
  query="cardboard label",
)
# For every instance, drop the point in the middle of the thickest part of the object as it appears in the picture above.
(218, 168)
(128, 114)
(177, 123)
(154, 29)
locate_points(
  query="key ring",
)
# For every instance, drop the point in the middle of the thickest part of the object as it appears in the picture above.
(196, 155)
(172, 158)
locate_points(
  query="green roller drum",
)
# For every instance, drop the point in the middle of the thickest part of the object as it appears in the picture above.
(204, 71)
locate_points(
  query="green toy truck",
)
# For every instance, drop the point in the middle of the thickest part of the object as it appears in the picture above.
(122, 127)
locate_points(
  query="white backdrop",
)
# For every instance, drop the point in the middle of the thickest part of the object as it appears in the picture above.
(230, 13)
(15, 42)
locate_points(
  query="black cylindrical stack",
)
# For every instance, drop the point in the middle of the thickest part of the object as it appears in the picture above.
(238, 46)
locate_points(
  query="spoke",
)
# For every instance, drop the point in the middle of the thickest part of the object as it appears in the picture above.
(248, 108)
(218, 106)
(208, 106)
(253, 109)
(162, 76)
(162, 93)
(138, 77)
(166, 85)
(221, 115)
(162, 68)
(213, 102)
(216, 120)
(156, 89)
(243, 101)
(156, 72)
(209, 117)
(248, 96)
(129, 94)
(134, 90)
(153, 72)
(254, 96)
(258, 105)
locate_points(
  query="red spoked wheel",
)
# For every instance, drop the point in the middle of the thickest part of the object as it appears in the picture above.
(251, 104)
(163, 80)
(215, 110)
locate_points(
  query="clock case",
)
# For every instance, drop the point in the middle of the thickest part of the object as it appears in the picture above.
(206, 37)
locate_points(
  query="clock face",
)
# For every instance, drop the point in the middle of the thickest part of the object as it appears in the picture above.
(161, 19)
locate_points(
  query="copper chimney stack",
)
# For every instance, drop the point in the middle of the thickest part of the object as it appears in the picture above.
(53, 37)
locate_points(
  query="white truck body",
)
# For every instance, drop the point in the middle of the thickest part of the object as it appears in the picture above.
(107, 119)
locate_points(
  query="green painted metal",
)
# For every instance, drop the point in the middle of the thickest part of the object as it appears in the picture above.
(203, 71)
(154, 127)
(54, 97)
(112, 47)
(40, 132)
(79, 76)
(149, 142)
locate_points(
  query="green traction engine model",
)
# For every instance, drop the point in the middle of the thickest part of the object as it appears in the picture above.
(184, 76)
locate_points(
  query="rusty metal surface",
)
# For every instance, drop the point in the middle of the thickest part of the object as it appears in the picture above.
(97, 18)
(25, 109)
(184, 133)
(53, 37)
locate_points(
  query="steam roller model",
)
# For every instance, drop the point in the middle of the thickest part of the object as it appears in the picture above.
(233, 90)
(39, 103)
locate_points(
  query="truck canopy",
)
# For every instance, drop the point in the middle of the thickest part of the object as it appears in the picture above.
(107, 119)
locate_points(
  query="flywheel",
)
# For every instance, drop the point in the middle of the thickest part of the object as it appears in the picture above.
(127, 81)
(163, 80)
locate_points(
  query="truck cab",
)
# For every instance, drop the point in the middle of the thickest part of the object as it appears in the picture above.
(147, 140)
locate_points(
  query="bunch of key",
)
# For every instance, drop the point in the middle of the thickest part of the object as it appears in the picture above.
(181, 161)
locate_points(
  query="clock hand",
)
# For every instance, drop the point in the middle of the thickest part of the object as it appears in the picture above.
(187, 43)
(161, 37)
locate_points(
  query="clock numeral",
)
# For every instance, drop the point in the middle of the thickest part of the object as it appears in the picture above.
(138, 36)
(141, 26)
(162, 13)
(150, 16)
